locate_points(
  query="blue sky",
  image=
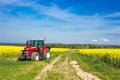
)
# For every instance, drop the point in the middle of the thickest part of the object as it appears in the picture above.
(60, 21)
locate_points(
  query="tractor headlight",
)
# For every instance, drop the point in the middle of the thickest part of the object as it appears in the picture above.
(27, 48)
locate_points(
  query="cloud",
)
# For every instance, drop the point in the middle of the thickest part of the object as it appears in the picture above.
(100, 40)
(104, 39)
(5, 2)
(55, 12)
(95, 40)
(116, 30)
(116, 14)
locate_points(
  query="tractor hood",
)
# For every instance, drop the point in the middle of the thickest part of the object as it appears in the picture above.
(30, 48)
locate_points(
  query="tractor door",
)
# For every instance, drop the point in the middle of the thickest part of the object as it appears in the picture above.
(39, 44)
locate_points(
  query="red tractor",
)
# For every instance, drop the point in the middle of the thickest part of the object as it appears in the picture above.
(34, 50)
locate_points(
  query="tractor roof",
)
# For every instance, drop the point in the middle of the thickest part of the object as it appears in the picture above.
(37, 39)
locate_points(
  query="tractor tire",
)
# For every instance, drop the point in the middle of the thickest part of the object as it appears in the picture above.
(35, 56)
(20, 57)
(47, 54)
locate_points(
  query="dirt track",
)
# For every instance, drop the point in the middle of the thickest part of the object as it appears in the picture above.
(47, 68)
(81, 73)
(70, 69)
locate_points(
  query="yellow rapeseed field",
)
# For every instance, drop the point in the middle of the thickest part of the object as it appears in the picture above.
(59, 49)
(17, 49)
(10, 49)
(110, 56)
(113, 53)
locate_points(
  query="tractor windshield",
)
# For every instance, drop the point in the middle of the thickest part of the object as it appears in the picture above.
(32, 43)
(40, 43)
(36, 43)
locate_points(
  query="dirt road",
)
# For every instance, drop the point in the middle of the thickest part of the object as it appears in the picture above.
(62, 68)
(47, 68)
(81, 73)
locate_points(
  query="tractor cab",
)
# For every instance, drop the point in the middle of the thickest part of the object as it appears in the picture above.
(36, 43)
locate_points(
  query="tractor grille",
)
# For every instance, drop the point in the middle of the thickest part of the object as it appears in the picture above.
(27, 56)
(25, 51)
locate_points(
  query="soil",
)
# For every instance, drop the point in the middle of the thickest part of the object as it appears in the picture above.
(81, 73)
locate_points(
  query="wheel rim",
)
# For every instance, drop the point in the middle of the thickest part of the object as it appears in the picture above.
(48, 54)
(37, 57)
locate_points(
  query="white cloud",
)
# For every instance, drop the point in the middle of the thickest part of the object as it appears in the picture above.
(104, 39)
(116, 14)
(5, 2)
(116, 30)
(100, 39)
(56, 12)
(95, 40)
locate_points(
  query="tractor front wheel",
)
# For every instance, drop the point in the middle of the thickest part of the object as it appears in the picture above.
(47, 54)
(20, 57)
(35, 56)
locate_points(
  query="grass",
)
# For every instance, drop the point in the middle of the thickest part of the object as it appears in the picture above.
(10, 69)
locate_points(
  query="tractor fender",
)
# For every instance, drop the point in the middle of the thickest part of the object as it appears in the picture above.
(44, 48)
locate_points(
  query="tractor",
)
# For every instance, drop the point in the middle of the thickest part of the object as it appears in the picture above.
(34, 50)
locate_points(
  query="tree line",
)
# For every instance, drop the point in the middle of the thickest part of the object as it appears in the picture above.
(72, 46)
(87, 46)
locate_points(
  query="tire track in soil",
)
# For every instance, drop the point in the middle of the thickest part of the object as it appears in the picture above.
(81, 73)
(67, 70)
(64, 68)
(46, 68)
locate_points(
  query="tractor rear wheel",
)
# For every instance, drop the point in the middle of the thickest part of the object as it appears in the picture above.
(35, 56)
(47, 54)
